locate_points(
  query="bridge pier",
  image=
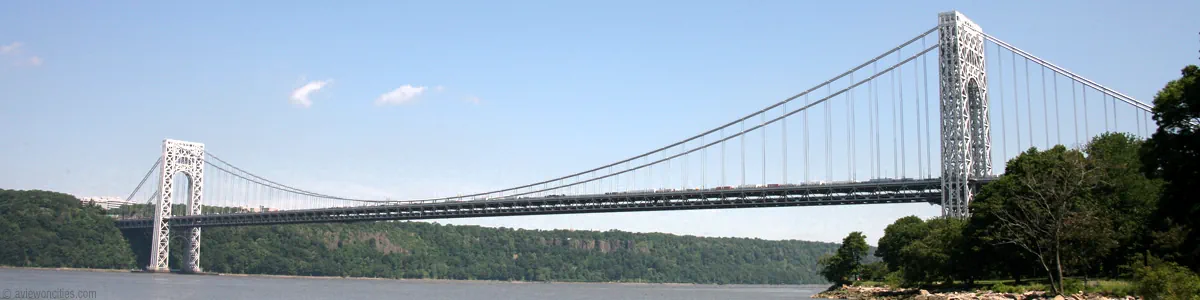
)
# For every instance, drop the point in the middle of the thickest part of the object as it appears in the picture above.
(966, 138)
(188, 159)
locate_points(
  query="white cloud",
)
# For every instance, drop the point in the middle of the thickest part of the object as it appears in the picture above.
(14, 53)
(11, 48)
(403, 94)
(300, 95)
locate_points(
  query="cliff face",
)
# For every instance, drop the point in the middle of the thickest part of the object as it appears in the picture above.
(603, 246)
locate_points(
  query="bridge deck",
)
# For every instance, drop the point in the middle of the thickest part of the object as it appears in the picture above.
(873, 192)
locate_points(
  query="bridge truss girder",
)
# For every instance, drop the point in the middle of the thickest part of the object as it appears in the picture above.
(907, 191)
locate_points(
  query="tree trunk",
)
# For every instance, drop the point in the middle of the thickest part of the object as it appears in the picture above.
(1058, 265)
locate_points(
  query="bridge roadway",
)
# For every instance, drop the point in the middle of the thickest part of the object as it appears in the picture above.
(868, 192)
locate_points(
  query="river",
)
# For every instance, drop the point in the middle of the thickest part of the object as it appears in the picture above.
(57, 284)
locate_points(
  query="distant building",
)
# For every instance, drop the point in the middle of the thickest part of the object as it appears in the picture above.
(106, 202)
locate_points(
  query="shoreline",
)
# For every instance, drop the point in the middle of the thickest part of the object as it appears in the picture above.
(421, 280)
(880, 293)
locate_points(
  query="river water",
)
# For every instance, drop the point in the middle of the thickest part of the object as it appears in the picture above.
(53, 284)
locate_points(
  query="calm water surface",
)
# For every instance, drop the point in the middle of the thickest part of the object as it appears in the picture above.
(15, 283)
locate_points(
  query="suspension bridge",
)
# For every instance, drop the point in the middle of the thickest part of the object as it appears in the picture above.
(865, 136)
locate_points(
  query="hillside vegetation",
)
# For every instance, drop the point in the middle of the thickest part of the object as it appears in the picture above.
(430, 250)
(48, 229)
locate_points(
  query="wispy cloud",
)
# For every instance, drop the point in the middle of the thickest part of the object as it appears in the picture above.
(403, 94)
(11, 48)
(439, 88)
(473, 99)
(300, 96)
(15, 52)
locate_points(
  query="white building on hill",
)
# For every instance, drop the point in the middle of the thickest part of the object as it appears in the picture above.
(106, 202)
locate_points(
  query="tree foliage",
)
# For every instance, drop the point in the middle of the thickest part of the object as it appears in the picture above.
(1173, 154)
(903, 232)
(843, 266)
(926, 251)
(48, 229)
(1054, 213)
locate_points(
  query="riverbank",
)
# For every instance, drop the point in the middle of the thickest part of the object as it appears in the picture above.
(68, 269)
(886, 293)
(419, 280)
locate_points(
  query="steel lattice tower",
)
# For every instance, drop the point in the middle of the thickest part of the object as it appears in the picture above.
(187, 158)
(966, 142)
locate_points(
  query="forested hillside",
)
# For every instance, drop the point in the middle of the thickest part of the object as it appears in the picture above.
(49, 229)
(429, 250)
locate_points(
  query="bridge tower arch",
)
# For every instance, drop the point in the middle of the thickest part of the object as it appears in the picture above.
(966, 142)
(186, 158)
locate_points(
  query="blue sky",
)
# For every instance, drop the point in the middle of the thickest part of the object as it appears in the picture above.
(433, 98)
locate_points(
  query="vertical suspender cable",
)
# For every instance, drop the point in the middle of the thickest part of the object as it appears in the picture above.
(1057, 115)
(785, 153)
(1028, 104)
(900, 113)
(895, 117)
(1003, 122)
(850, 128)
(928, 132)
(871, 127)
(1104, 105)
(1017, 106)
(828, 134)
(1116, 126)
(1075, 110)
(703, 164)
(917, 106)
(1016, 102)
(1086, 130)
(806, 136)
(1045, 109)
(878, 145)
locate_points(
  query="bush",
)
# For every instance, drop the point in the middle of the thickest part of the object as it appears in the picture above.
(894, 279)
(1072, 286)
(1154, 278)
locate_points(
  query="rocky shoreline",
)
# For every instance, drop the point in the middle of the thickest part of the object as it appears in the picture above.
(883, 293)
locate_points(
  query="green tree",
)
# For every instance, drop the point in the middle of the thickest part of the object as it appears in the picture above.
(1127, 199)
(932, 256)
(900, 233)
(844, 265)
(1173, 154)
(876, 271)
(1043, 205)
